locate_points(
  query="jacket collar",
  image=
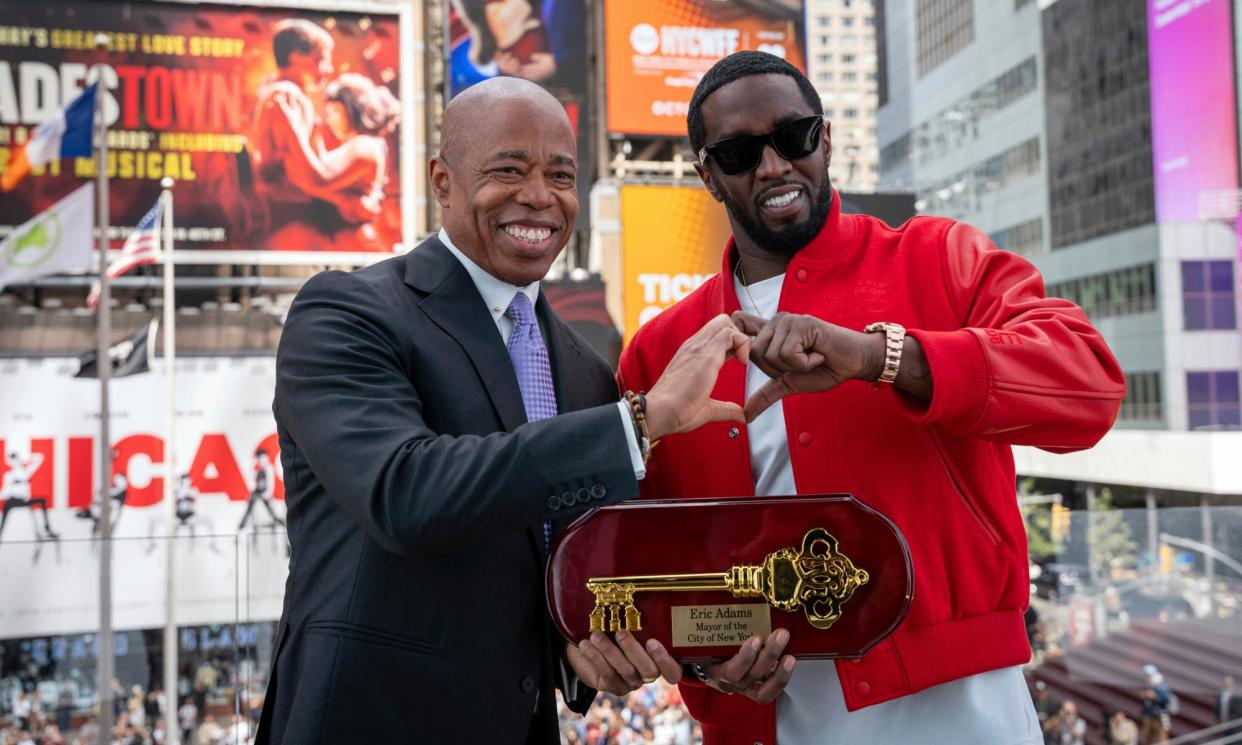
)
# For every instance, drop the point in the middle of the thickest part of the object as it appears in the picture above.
(835, 242)
(453, 303)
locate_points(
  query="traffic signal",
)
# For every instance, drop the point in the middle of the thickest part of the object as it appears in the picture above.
(1060, 527)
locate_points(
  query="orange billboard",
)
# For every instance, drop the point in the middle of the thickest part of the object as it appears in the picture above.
(656, 52)
(672, 238)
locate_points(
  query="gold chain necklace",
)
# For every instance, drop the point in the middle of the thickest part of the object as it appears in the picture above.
(741, 277)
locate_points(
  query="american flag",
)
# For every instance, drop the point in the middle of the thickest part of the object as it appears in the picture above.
(141, 247)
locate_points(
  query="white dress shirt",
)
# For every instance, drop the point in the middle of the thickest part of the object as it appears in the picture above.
(497, 294)
(992, 708)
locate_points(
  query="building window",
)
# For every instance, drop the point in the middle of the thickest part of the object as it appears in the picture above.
(1208, 296)
(1143, 398)
(823, 58)
(942, 29)
(847, 21)
(823, 40)
(1212, 400)
(1119, 293)
(824, 77)
(849, 59)
(849, 76)
(1098, 119)
(850, 113)
(1023, 238)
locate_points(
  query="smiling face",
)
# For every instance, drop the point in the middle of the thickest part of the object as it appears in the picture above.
(508, 188)
(781, 205)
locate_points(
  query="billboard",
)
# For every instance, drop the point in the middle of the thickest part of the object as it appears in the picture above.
(1193, 117)
(229, 538)
(281, 126)
(656, 51)
(671, 242)
(541, 41)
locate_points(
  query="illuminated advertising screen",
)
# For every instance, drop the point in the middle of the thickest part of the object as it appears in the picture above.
(1193, 117)
(280, 126)
(671, 242)
(541, 41)
(656, 51)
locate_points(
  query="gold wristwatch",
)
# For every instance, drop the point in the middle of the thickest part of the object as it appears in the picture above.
(894, 340)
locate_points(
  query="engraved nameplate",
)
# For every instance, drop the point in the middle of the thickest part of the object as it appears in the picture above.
(719, 625)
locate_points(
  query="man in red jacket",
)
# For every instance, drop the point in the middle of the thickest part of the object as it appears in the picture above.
(921, 353)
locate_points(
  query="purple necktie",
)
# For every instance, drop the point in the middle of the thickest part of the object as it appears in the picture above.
(534, 373)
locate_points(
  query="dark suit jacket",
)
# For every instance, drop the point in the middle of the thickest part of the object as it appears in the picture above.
(416, 492)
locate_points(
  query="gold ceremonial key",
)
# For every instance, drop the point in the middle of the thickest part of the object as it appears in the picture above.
(818, 579)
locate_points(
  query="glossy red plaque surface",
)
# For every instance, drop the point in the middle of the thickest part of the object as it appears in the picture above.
(697, 535)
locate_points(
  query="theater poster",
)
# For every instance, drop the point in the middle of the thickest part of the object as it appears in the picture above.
(281, 126)
(544, 41)
(656, 52)
(228, 530)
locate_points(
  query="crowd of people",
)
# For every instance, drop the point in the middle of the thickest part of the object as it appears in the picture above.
(652, 714)
(139, 717)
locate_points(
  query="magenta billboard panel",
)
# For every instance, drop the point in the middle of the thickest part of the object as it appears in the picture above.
(1193, 116)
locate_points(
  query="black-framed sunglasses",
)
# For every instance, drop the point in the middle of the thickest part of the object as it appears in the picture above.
(791, 141)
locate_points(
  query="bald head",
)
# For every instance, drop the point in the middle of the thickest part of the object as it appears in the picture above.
(506, 177)
(473, 114)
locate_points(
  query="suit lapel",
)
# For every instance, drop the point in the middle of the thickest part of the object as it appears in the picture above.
(453, 303)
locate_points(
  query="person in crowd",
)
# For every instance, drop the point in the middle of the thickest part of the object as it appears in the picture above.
(1158, 703)
(136, 706)
(1229, 704)
(1045, 705)
(187, 719)
(1066, 727)
(1121, 729)
(896, 364)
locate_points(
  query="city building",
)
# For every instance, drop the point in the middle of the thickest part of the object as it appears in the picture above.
(841, 39)
(1084, 135)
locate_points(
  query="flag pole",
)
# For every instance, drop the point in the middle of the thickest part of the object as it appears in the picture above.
(172, 731)
(104, 365)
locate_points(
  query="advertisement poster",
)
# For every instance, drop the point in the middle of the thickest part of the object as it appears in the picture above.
(1193, 116)
(656, 51)
(544, 41)
(280, 126)
(671, 242)
(229, 535)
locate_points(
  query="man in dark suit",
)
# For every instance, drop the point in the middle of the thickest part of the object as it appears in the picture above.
(436, 418)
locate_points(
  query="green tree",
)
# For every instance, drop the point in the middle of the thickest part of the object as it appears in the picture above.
(1109, 535)
(1037, 518)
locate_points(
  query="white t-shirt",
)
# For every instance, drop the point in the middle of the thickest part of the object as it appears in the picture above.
(992, 708)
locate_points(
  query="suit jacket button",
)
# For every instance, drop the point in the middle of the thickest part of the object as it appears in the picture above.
(554, 502)
(528, 684)
(863, 688)
(598, 491)
(584, 496)
(805, 438)
(568, 499)
(801, 275)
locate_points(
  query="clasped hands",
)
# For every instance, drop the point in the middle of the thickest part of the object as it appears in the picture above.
(801, 354)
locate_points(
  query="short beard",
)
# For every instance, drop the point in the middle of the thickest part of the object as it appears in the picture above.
(788, 240)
